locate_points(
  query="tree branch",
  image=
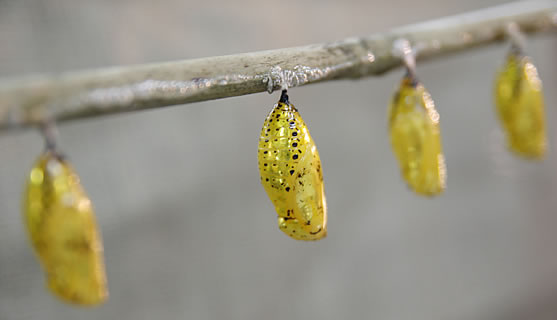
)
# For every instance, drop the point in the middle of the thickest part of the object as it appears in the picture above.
(31, 100)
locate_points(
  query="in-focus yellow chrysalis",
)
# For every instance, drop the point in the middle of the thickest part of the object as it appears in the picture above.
(520, 106)
(416, 138)
(63, 231)
(291, 173)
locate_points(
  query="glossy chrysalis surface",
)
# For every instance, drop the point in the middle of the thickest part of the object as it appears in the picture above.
(520, 106)
(416, 138)
(63, 231)
(291, 174)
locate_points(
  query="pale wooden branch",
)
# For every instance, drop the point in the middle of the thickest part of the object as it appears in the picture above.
(32, 100)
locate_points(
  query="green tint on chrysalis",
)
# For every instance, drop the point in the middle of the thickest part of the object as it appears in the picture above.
(520, 106)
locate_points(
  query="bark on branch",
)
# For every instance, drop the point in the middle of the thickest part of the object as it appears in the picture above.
(32, 100)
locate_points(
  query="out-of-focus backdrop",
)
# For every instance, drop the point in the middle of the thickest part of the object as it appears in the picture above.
(189, 232)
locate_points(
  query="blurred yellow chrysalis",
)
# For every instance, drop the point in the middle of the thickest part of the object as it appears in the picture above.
(291, 174)
(520, 106)
(416, 138)
(63, 232)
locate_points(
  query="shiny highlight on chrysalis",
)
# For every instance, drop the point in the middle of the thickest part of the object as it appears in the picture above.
(63, 231)
(520, 106)
(416, 138)
(291, 173)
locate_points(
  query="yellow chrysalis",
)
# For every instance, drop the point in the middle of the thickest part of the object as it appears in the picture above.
(63, 232)
(519, 101)
(416, 138)
(291, 174)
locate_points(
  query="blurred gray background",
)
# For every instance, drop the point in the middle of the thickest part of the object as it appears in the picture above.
(189, 232)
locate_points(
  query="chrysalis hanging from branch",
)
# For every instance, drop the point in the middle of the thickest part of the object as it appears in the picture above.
(414, 131)
(519, 101)
(61, 224)
(291, 173)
